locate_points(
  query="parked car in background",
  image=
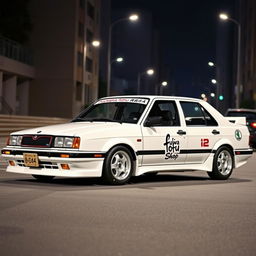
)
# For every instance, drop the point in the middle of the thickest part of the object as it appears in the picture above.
(250, 115)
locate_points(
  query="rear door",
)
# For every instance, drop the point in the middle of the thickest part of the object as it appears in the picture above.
(163, 142)
(202, 132)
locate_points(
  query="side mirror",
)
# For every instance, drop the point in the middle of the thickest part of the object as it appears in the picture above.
(153, 121)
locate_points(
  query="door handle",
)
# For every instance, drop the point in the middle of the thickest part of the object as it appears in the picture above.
(215, 132)
(180, 132)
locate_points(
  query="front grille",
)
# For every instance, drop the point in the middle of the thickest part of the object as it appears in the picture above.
(45, 165)
(43, 141)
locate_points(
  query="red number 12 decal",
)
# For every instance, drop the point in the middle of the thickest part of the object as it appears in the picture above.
(204, 142)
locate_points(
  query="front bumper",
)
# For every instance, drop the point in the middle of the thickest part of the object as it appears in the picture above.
(80, 163)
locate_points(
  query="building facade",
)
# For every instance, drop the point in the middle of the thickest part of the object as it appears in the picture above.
(63, 76)
(248, 53)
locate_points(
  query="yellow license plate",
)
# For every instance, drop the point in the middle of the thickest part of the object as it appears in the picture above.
(31, 160)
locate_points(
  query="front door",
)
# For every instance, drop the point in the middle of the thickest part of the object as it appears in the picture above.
(163, 141)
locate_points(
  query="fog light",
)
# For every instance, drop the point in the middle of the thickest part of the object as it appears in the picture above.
(65, 166)
(12, 163)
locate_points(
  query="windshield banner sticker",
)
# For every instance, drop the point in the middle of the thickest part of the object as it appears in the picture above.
(124, 100)
(172, 148)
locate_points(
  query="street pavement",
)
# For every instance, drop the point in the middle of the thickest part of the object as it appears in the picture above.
(171, 214)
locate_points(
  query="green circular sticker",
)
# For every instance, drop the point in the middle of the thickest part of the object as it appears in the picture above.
(238, 134)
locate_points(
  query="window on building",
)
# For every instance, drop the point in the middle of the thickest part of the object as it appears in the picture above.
(90, 10)
(78, 91)
(79, 59)
(196, 115)
(89, 36)
(81, 30)
(89, 65)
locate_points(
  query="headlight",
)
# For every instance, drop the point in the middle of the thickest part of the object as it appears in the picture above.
(58, 142)
(15, 140)
(67, 142)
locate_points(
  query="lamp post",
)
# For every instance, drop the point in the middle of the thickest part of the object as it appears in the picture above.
(132, 18)
(225, 17)
(149, 72)
(163, 85)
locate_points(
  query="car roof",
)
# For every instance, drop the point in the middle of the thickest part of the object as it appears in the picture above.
(153, 97)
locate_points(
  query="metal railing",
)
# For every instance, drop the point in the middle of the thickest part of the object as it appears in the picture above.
(15, 51)
(4, 106)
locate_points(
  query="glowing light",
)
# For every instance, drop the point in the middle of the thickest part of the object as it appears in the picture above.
(150, 72)
(164, 83)
(133, 17)
(223, 16)
(96, 43)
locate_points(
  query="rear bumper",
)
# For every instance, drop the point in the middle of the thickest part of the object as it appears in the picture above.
(80, 164)
(241, 156)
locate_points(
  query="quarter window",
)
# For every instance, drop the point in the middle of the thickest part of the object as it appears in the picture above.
(196, 115)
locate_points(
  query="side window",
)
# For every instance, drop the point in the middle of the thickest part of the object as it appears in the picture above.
(167, 110)
(196, 115)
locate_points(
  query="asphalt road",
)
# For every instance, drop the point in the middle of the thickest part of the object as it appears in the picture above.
(173, 214)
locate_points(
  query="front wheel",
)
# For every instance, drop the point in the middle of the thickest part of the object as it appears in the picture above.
(118, 166)
(43, 178)
(223, 163)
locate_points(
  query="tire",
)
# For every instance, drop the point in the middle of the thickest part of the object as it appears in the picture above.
(223, 163)
(43, 178)
(118, 166)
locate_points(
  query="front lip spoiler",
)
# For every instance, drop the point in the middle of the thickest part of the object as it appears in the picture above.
(56, 154)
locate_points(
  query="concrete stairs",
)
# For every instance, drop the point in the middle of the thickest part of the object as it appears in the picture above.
(12, 123)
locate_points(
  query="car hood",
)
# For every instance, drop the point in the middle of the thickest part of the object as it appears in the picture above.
(73, 129)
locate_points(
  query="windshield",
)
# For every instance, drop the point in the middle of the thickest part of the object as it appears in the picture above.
(118, 111)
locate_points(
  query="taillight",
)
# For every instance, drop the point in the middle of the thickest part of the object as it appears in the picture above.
(253, 125)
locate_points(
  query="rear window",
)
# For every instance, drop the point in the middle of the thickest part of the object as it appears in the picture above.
(248, 115)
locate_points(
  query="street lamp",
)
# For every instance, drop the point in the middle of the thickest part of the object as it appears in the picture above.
(212, 94)
(214, 81)
(203, 95)
(211, 64)
(132, 18)
(96, 43)
(149, 72)
(163, 84)
(225, 17)
(118, 59)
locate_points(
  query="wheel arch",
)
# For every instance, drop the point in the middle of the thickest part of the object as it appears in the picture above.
(224, 142)
(132, 151)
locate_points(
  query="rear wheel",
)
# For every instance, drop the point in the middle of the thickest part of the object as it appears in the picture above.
(43, 178)
(118, 166)
(223, 164)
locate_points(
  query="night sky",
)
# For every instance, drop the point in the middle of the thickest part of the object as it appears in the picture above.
(188, 29)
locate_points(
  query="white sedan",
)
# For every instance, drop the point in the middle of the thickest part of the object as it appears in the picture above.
(119, 137)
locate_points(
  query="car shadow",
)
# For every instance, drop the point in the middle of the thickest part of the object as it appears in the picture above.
(143, 182)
